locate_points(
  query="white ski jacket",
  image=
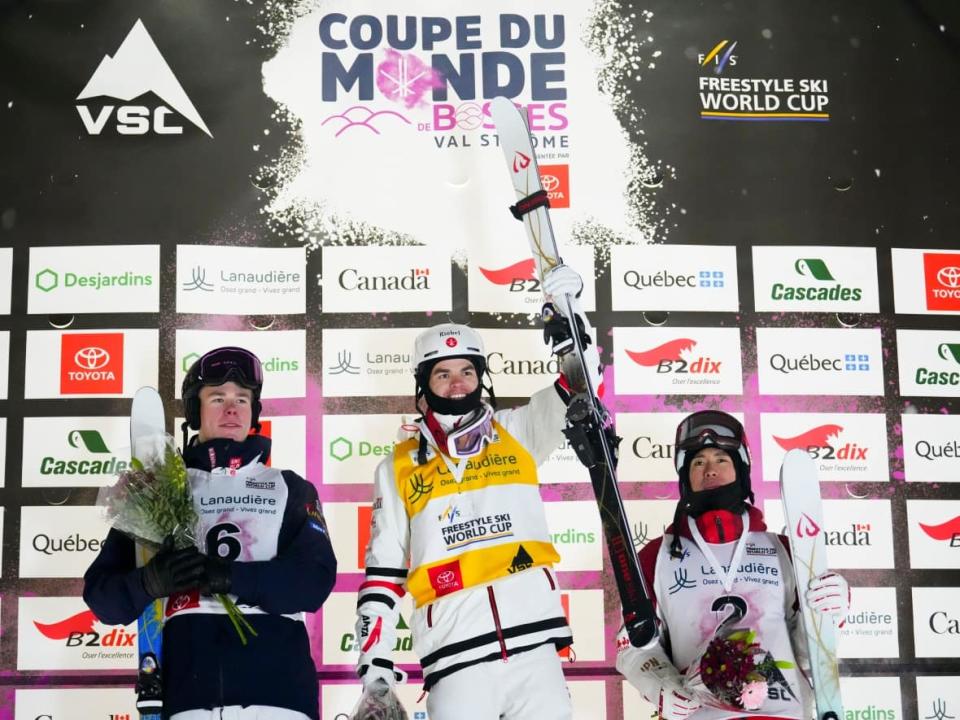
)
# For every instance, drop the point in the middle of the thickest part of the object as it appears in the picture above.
(476, 555)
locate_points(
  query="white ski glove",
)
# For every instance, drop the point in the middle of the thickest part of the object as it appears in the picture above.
(562, 280)
(378, 673)
(650, 671)
(829, 594)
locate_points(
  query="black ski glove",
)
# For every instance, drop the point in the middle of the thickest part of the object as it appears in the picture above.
(217, 576)
(172, 571)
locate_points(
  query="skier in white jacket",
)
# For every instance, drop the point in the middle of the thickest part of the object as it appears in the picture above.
(717, 567)
(459, 524)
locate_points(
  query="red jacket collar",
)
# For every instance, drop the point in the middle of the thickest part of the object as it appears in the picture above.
(722, 526)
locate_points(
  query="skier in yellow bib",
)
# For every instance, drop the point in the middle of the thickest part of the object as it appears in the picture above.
(459, 524)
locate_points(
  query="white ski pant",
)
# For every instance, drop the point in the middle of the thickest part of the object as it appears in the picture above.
(238, 712)
(528, 685)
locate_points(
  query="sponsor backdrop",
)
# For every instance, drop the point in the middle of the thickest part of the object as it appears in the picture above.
(761, 200)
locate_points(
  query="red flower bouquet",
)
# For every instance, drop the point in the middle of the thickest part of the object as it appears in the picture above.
(728, 674)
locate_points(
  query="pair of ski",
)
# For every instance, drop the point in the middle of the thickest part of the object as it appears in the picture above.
(588, 430)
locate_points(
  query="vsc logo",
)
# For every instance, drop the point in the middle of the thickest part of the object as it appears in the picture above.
(91, 363)
(135, 69)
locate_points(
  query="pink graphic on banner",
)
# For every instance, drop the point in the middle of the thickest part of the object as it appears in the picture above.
(815, 437)
(406, 79)
(359, 116)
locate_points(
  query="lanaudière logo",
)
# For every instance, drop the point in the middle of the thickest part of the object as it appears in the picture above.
(137, 68)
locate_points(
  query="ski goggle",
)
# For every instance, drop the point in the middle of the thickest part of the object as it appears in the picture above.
(230, 363)
(468, 440)
(709, 427)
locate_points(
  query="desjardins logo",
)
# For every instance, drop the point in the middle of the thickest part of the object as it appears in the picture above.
(823, 285)
(48, 280)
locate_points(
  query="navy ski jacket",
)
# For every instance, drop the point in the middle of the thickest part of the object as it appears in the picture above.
(204, 663)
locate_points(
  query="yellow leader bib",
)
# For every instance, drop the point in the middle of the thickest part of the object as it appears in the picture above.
(489, 525)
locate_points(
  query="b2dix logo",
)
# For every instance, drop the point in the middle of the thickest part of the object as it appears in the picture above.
(823, 443)
(666, 358)
(948, 532)
(518, 277)
(78, 630)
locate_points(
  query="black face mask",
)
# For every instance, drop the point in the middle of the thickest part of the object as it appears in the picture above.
(726, 497)
(448, 406)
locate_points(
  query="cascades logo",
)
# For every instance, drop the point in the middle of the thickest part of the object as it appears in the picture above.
(137, 68)
(756, 99)
(858, 535)
(941, 272)
(948, 531)
(949, 352)
(666, 358)
(816, 269)
(91, 363)
(89, 441)
(48, 280)
(413, 279)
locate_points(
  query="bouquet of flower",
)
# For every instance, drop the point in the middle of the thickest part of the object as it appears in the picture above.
(152, 501)
(728, 675)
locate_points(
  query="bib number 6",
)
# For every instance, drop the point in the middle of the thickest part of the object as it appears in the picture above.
(222, 543)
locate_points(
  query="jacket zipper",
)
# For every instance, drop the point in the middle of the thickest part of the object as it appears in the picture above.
(496, 622)
(719, 523)
(549, 579)
(430, 615)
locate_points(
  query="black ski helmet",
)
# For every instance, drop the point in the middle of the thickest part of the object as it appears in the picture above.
(216, 367)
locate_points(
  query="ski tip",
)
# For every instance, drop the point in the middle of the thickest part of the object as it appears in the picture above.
(501, 108)
(797, 460)
(145, 391)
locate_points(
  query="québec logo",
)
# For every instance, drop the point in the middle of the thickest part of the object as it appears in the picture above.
(91, 363)
(818, 444)
(941, 273)
(137, 68)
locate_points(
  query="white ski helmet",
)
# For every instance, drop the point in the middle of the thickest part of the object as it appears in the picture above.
(448, 340)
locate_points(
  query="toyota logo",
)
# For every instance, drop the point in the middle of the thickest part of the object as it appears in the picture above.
(550, 182)
(446, 577)
(91, 358)
(949, 277)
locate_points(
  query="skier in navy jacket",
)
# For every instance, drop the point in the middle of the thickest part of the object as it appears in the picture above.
(262, 539)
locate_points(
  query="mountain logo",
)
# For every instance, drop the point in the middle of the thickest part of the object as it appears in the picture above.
(815, 437)
(135, 69)
(80, 623)
(667, 351)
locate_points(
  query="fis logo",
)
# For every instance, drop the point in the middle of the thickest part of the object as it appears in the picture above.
(720, 57)
(948, 531)
(818, 444)
(666, 358)
(135, 69)
(91, 363)
(450, 513)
